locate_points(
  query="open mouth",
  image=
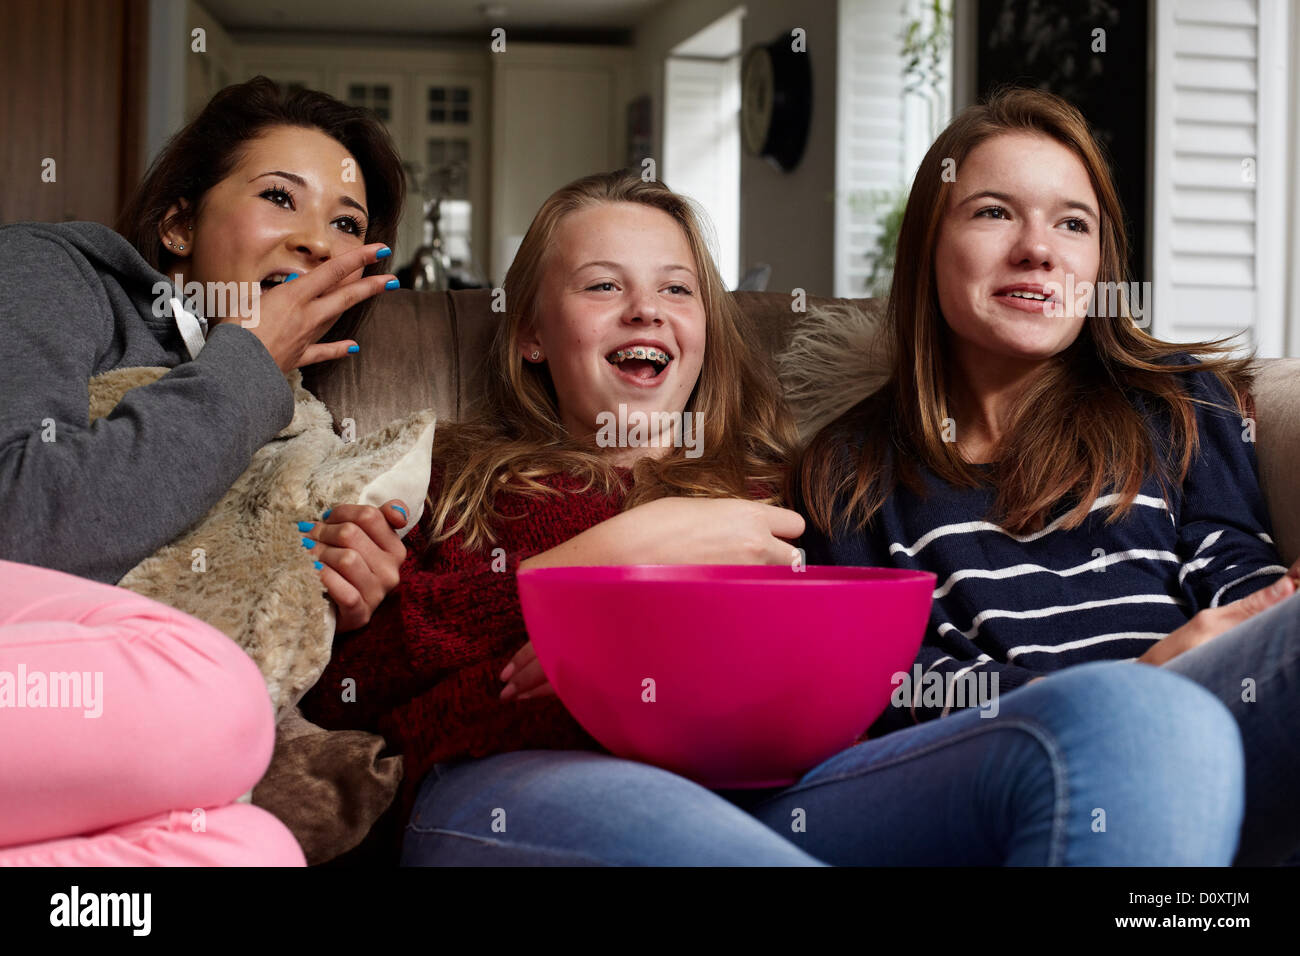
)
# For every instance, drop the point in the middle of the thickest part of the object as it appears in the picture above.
(273, 280)
(1027, 299)
(643, 364)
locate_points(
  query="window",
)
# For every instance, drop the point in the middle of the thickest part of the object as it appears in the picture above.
(449, 105)
(372, 96)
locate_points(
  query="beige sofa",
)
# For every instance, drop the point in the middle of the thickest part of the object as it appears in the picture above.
(426, 349)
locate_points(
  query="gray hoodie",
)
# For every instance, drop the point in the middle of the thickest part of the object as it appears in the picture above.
(77, 299)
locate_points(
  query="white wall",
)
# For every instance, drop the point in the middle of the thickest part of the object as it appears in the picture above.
(556, 116)
(786, 219)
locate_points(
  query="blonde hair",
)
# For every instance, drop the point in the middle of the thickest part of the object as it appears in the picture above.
(1041, 462)
(516, 437)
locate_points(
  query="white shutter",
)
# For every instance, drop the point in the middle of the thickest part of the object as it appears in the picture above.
(702, 147)
(1218, 173)
(881, 132)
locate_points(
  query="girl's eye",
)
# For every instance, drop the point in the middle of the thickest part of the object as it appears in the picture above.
(279, 193)
(356, 228)
(989, 210)
(1077, 225)
(679, 290)
(601, 287)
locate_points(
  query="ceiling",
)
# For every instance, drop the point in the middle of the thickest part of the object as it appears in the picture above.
(529, 19)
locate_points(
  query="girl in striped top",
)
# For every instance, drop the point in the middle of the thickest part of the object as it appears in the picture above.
(1083, 491)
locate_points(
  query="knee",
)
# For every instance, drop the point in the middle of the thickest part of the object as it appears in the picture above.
(250, 836)
(1149, 717)
(228, 722)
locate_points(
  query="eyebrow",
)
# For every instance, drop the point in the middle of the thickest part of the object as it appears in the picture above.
(1003, 197)
(606, 263)
(298, 180)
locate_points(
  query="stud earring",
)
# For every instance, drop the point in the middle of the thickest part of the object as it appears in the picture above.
(536, 355)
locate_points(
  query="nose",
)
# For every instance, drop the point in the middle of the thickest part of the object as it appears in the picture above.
(1033, 246)
(312, 243)
(643, 306)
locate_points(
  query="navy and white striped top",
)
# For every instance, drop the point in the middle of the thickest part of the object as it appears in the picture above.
(1025, 605)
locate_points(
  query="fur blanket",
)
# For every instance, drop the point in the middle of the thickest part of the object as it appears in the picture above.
(836, 357)
(243, 570)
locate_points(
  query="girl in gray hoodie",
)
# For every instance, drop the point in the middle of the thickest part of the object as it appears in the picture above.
(259, 191)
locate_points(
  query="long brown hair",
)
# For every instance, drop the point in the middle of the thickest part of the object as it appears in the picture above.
(1040, 463)
(516, 436)
(204, 152)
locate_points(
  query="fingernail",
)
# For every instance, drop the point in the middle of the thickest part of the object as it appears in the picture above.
(509, 692)
(326, 515)
(291, 276)
(354, 349)
(308, 543)
(392, 284)
(509, 669)
(401, 509)
(383, 253)
(318, 565)
(306, 525)
(1279, 587)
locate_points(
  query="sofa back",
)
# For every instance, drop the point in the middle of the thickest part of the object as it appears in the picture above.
(427, 349)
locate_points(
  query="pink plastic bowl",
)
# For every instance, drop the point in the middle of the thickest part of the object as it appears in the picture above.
(758, 673)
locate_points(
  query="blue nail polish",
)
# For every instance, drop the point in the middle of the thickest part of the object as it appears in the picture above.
(306, 525)
(392, 284)
(326, 515)
(318, 565)
(290, 277)
(383, 253)
(308, 543)
(354, 349)
(401, 509)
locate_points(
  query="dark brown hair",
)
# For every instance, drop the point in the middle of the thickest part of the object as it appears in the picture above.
(1041, 462)
(209, 147)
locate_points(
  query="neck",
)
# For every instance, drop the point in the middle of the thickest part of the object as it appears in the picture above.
(984, 389)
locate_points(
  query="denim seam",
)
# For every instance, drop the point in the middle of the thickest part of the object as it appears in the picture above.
(1055, 758)
(500, 844)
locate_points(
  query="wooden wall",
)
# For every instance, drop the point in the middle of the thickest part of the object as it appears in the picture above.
(73, 91)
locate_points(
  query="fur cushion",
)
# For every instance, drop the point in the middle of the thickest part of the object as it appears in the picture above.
(243, 570)
(837, 356)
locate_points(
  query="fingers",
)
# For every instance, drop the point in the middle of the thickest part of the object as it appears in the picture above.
(338, 299)
(325, 352)
(1266, 597)
(395, 511)
(353, 568)
(782, 522)
(525, 676)
(352, 611)
(329, 274)
(781, 552)
(376, 529)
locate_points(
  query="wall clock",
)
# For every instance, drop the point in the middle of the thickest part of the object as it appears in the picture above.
(776, 102)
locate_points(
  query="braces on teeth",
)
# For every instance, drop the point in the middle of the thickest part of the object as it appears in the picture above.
(641, 352)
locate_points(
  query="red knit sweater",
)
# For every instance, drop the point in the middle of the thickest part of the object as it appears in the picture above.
(426, 667)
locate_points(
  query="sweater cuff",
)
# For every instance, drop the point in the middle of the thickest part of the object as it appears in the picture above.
(237, 359)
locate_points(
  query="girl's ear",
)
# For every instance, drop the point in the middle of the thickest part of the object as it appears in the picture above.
(530, 347)
(178, 238)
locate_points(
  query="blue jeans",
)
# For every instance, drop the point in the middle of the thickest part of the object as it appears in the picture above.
(1110, 763)
(1255, 670)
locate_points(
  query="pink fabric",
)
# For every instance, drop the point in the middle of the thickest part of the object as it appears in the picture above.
(184, 728)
